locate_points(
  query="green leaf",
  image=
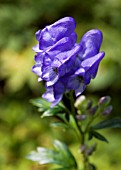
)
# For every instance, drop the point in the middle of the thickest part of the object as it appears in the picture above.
(61, 125)
(57, 110)
(97, 135)
(109, 123)
(42, 104)
(61, 155)
(45, 107)
(65, 154)
(92, 167)
(42, 156)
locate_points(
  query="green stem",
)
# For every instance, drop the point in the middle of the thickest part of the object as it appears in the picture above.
(74, 113)
(81, 132)
(85, 157)
(90, 122)
(72, 103)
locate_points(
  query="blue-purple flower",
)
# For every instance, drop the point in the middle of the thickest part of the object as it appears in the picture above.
(62, 63)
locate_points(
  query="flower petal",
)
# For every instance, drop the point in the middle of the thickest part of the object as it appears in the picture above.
(49, 75)
(73, 82)
(39, 57)
(68, 60)
(38, 35)
(53, 33)
(62, 28)
(65, 56)
(56, 101)
(91, 66)
(90, 44)
(37, 69)
(45, 40)
(48, 95)
(36, 48)
(80, 89)
(58, 89)
(64, 44)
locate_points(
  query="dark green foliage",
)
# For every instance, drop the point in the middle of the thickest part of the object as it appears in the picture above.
(109, 123)
(42, 104)
(92, 167)
(60, 124)
(45, 108)
(97, 135)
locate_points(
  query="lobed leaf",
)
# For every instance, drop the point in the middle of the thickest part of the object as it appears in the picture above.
(42, 104)
(61, 125)
(44, 107)
(61, 155)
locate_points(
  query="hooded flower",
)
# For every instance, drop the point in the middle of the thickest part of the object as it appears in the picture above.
(64, 64)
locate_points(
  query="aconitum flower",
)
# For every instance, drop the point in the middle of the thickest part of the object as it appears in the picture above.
(62, 63)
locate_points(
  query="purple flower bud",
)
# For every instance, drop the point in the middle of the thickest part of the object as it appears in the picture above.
(81, 117)
(91, 150)
(104, 100)
(107, 110)
(82, 148)
(89, 104)
(79, 101)
(93, 110)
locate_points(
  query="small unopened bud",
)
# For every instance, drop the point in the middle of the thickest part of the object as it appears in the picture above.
(104, 100)
(79, 101)
(89, 104)
(93, 110)
(107, 110)
(82, 148)
(81, 117)
(91, 150)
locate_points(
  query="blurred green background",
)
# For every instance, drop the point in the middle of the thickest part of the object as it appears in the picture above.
(21, 129)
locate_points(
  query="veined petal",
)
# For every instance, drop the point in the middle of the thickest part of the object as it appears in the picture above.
(80, 89)
(50, 72)
(36, 48)
(56, 101)
(69, 64)
(73, 82)
(45, 40)
(49, 75)
(91, 66)
(90, 62)
(64, 44)
(37, 69)
(90, 44)
(47, 60)
(39, 79)
(48, 95)
(38, 35)
(53, 33)
(58, 89)
(80, 72)
(62, 28)
(39, 57)
(65, 56)
(56, 63)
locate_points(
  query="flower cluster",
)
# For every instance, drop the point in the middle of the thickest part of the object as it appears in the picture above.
(64, 64)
